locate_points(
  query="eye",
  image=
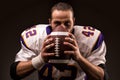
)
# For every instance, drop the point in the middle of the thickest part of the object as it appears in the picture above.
(67, 24)
(57, 23)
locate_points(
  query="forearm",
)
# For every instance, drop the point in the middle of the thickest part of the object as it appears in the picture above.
(24, 68)
(93, 72)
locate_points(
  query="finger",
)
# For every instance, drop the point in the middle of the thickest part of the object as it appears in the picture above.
(69, 52)
(73, 39)
(47, 41)
(45, 48)
(48, 54)
(70, 45)
(68, 39)
(48, 36)
(71, 35)
(49, 46)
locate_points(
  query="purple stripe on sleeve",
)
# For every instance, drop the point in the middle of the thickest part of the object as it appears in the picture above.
(21, 39)
(99, 41)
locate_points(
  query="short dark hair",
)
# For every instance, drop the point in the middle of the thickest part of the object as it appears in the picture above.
(62, 6)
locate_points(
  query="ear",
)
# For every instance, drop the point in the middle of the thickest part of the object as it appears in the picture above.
(74, 19)
(49, 20)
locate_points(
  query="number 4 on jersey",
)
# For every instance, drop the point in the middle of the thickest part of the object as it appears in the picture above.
(88, 31)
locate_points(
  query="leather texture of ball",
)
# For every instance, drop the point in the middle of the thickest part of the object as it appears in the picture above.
(58, 35)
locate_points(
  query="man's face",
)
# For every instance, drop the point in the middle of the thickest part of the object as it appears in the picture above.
(62, 18)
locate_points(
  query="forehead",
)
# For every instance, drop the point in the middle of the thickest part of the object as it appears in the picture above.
(59, 14)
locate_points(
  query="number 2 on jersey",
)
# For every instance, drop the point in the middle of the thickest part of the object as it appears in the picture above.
(31, 32)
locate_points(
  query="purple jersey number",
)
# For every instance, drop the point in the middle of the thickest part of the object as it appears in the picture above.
(31, 32)
(88, 31)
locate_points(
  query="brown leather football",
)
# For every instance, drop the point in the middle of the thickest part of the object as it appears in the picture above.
(58, 35)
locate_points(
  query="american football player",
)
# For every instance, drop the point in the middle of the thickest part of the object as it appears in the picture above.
(87, 55)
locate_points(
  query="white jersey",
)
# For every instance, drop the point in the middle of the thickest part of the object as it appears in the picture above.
(90, 42)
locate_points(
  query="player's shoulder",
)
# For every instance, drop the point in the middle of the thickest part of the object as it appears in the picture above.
(86, 32)
(85, 28)
(33, 29)
(31, 36)
(87, 36)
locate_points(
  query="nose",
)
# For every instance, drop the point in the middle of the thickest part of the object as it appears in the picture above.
(62, 25)
(61, 28)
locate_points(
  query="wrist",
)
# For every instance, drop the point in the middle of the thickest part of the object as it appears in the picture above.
(78, 58)
(37, 62)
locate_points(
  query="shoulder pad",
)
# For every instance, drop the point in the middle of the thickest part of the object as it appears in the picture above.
(87, 37)
(31, 36)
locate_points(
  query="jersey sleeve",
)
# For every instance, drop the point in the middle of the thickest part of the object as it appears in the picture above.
(29, 45)
(31, 42)
(97, 56)
(24, 54)
(29, 38)
(91, 44)
(86, 37)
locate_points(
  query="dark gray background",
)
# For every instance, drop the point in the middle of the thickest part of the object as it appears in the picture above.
(15, 16)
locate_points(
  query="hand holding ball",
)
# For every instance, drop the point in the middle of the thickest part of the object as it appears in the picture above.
(58, 35)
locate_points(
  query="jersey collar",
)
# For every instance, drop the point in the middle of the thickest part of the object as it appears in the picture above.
(49, 30)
